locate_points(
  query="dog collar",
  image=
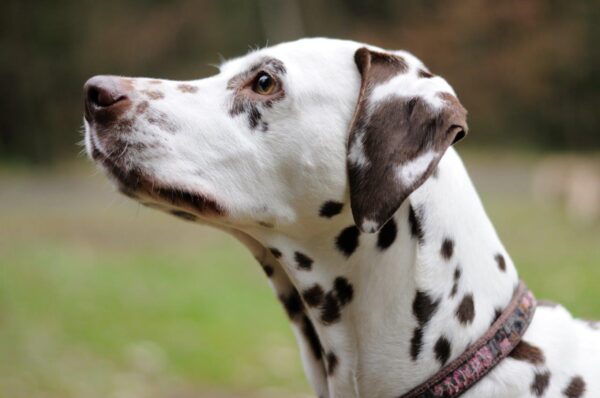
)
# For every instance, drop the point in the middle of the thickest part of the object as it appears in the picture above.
(503, 336)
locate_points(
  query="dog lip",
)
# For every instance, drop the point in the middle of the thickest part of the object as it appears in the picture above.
(133, 182)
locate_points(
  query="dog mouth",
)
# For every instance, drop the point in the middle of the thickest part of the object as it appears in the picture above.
(136, 184)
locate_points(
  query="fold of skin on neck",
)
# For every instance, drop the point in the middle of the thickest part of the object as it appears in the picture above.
(415, 295)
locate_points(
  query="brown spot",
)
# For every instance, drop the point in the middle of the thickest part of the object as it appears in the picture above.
(497, 315)
(423, 309)
(447, 248)
(540, 383)
(333, 302)
(161, 120)
(528, 353)
(155, 81)
(330, 208)
(275, 252)
(442, 350)
(466, 310)
(141, 107)
(332, 363)
(424, 74)
(265, 224)
(153, 94)
(310, 334)
(576, 388)
(414, 220)
(303, 261)
(456, 278)
(187, 88)
(292, 303)
(313, 296)
(501, 262)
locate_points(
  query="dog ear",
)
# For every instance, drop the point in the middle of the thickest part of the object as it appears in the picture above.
(404, 121)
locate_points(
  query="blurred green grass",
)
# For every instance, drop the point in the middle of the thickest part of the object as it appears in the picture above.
(100, 297)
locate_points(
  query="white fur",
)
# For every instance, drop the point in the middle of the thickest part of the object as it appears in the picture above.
(282, 177)
(409, 172)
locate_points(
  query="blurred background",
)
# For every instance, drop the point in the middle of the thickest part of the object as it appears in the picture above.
(100, 297)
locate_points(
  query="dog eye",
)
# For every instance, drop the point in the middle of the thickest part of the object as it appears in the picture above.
(263, 84)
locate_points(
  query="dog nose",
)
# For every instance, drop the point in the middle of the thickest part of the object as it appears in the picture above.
(106, 98)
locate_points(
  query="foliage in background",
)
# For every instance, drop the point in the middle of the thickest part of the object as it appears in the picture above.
(527, 71)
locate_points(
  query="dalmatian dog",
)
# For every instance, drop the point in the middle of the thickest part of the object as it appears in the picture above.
(332, 161)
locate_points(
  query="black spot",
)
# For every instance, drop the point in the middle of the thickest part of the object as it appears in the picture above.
(313, 296)
(343, 290)
(330, 310)
(414, 220)
(276, 253)
(442, 350)
(309, 332)
(304, 262)
(387, 234)
(339, 296)
(416, 342)
(424, 307)
(269, 271)
(330, 208)
(184, 214)
(466, 310)
(292, 303)
(576, 388)
(347, 240)
(447, 248)
(332, 362)
(501, 262)
(540, 383)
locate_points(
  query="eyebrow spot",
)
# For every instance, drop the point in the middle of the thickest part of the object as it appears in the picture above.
(153, 94)
(187, 88)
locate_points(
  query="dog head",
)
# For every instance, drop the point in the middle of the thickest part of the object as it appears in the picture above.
(283, 134)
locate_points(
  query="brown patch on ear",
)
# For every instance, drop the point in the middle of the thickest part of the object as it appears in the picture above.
(396, 142)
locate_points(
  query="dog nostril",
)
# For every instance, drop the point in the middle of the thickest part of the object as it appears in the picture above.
(102, 97)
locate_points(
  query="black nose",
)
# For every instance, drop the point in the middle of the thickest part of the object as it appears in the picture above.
(106, 98)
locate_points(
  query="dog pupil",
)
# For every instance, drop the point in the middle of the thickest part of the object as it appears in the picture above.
(264, 82)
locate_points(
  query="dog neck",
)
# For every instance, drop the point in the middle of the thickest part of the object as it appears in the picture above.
(377, 314)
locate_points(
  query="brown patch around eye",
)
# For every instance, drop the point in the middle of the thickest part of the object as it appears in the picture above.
(246, 101)
(187, 88)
